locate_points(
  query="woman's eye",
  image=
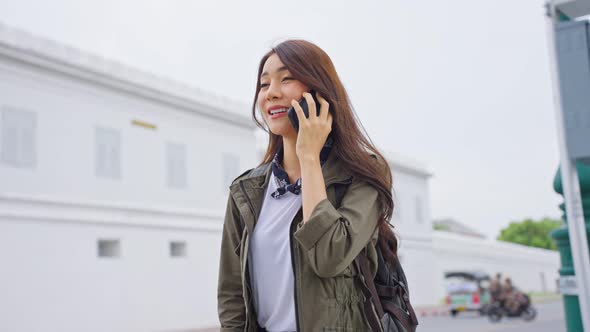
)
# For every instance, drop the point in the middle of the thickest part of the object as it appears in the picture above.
(287, 78)
(264, 85)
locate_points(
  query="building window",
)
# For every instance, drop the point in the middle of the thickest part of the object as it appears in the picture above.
(176, 165)
(177, 249)
(18, 142)
(109, 248)
(231, 168)
(419, 212)
(108, 153)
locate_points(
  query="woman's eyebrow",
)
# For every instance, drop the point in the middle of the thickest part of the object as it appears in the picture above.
(283, 68)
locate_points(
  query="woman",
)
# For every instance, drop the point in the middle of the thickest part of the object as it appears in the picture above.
(289, 241)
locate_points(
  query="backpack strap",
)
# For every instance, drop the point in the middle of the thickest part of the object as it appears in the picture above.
(408, 320)
(370, 292)
(401, 316)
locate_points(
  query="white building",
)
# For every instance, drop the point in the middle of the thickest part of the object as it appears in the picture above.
(113, 185)
(413, 226)
(427, 255)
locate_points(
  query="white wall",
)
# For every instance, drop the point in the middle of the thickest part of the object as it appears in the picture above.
(412, 201)
(53, 214)
(417, 257)
(52, 279)
(413, 226)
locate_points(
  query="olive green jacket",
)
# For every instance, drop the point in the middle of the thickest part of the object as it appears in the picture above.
(327, 290)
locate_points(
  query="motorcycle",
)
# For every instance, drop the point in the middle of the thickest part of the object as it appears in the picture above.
(525, 310)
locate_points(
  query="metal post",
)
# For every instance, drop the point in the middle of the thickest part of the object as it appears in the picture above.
(571, 185)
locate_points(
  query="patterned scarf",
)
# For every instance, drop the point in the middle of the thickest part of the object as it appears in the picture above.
(282, 178)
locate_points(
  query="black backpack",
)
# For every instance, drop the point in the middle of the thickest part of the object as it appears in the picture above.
(386, 295)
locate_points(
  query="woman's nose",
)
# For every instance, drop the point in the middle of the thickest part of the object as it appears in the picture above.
(274, 91)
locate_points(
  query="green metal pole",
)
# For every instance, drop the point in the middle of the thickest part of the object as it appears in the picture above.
(571, 304)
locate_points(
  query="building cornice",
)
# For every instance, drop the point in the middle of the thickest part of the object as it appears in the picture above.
(406, 164)
(24, 48)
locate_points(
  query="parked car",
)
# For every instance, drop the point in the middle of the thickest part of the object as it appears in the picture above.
(467, 291)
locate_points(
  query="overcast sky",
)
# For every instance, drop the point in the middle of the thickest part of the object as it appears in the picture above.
(463, 86)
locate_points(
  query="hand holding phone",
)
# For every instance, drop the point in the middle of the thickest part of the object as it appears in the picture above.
(312, 131)
(303, 103)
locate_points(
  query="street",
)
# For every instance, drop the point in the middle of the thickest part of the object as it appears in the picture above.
(550, 318)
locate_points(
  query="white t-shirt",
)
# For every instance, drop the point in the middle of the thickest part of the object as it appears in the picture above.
(271, 270)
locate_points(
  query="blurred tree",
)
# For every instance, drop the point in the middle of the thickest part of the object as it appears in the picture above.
(440, 227)
(531, 233)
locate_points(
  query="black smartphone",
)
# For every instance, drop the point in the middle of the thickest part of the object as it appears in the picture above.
(303, 103)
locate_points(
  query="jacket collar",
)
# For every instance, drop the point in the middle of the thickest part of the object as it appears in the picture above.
(248, 192)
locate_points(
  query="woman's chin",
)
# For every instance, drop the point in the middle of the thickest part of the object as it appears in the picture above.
(283, 130)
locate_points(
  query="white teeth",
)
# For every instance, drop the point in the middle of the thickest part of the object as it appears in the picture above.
(278, 110)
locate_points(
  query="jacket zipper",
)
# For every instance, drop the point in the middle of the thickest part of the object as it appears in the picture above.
(293, 253)
(246, 272)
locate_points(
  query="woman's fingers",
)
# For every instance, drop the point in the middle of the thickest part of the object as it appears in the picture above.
(299, 112)
(324, 116)
(324, 106)
(311, 106)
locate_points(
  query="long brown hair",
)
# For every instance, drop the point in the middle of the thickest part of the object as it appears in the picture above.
(310, 65)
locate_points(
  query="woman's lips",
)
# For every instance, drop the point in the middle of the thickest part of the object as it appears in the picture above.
(276, 112)
(278, 115)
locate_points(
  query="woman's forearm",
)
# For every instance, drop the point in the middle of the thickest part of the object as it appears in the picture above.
(312, 185)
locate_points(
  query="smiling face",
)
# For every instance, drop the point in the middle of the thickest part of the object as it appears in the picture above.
(277, 89)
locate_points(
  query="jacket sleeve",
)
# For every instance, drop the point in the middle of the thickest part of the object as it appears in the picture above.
(334, 237)
(230, 299)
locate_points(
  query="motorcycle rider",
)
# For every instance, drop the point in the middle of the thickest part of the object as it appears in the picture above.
(511, 297)
(496, 287)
